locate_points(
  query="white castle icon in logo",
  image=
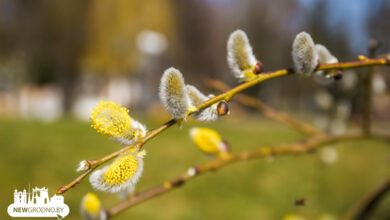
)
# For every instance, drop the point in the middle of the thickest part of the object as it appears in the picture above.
(37, 204)
(38, 196)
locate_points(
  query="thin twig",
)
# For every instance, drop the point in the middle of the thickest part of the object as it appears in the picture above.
(366, 205)
(266, 110)
(284, 149)
(224, 96)
(95, 163)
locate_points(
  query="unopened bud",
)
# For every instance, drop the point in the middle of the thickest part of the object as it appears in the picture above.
(338, 75)
(258, 68)
(222, 108)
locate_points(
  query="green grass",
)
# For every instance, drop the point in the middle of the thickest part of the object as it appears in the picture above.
(42, 154)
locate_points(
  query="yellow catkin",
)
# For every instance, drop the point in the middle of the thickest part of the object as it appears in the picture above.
(121, 170)
(91, 203)
(207, 140)
(109, 118)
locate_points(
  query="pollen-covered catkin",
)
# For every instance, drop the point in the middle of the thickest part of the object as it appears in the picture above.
(240, 56)
(121, 175)
(304, 54)
(109, 118)
(173, 93)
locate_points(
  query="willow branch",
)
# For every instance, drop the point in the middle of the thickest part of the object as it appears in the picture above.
(224, 96)
(297, 148)
(95, 163)
(266, 110)
(366, 205)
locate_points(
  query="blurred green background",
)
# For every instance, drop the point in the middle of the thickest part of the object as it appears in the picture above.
(42, 154)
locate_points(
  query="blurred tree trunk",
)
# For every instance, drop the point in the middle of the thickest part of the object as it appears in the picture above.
(196, 39)
(66, 26)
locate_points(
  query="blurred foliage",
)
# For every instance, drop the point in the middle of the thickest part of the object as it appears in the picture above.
(59, 42)
(113, 28)
(42, 154)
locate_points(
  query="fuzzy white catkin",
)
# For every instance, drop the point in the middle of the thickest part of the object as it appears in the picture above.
(304, 54)
(240, 55)
(197, 97)
(173, 93)
(324, 55)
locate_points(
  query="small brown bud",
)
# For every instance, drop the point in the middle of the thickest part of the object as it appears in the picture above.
(258, 68)
(222, 108)
(338, 75)
(61, 190)
(177, 182)
(300, 202)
